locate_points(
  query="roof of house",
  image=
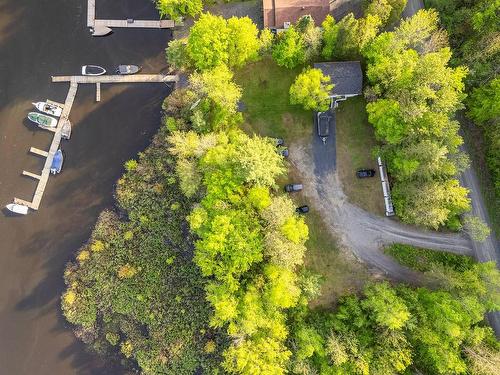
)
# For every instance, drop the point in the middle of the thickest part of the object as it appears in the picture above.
(277, 12)
(345, 75)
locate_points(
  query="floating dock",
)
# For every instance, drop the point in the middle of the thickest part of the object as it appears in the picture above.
(63, 128)
(101, 27)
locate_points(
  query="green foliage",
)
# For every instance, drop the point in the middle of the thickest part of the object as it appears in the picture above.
(423, 260)
(474, 37)
(289, 49)
(311, 89)
(388, 309)
(389, 329)
(477, 229)
(176, 54)
(330, 36)
(218, 98)
(415, 95)
(176, 9)
(134, 286)
(215, 41)
(484, 102)
(389, 11)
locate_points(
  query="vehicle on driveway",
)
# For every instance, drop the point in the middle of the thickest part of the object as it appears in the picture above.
(323, 124)
(290, 188)
(284, 152)
(365, 173)
(302, 209)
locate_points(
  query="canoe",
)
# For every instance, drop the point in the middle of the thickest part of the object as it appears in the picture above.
(127, 69)
(57, 162)
(48, 108)
(17, 208)
(93, 70)
(43, 121)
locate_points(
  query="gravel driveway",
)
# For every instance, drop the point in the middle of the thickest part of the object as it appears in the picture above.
(359, 231)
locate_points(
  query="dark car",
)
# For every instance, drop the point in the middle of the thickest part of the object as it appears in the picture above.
(364, 173)
(284, 152)
(323, 123)
(302, 209)
(293, 187)
(279, 142)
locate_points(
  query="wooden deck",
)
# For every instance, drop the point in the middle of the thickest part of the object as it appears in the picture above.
(97, 24)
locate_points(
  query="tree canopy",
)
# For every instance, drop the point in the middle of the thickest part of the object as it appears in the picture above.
(311, 89)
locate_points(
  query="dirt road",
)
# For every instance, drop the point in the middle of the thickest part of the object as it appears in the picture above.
(361, 232)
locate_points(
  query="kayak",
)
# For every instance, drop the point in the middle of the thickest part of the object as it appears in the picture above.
(17, 208)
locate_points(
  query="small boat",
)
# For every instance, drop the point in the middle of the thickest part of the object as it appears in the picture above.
(17, 208)
(48, 108)
(100, 30)
(43, 121)
(127, 69)
(57, 162)
(66, 130)
(93, 70)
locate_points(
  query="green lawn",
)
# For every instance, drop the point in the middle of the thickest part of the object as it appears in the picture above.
(267, 112)
(355, 142)
(266, 101)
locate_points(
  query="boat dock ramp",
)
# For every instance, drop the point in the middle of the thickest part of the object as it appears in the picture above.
(63, 128)
(101, 27)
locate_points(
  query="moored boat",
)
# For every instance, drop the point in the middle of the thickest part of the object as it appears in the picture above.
(57, 162)
(43, 121)
(48, 108)
(127, 69)
(100, 30)
(93, 70)
(17, 208)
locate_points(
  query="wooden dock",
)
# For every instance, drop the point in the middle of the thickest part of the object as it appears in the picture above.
(101, 27)
(49, 155)
(61, 130)
(132, 78)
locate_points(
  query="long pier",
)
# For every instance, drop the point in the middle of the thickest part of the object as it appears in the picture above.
(101, 27)
(61, 130)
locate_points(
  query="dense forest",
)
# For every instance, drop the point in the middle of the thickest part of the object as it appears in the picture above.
(200, 268)
(473, 27)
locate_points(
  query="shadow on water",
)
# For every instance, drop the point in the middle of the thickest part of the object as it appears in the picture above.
(84, 178)
(40, 38)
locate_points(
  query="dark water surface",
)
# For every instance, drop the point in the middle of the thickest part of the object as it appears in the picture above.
(40, 38)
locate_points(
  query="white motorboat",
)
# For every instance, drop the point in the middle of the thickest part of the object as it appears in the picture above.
(127, 69)
(17, 208)
(48, 108)
(93, 70)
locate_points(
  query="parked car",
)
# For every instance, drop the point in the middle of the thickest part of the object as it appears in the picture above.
(279, 142)
(323, 124)
(293, 187)
(302, 209)
(284, 152)
(364, 173)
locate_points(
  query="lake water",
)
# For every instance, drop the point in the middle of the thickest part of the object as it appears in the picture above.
(40, 38)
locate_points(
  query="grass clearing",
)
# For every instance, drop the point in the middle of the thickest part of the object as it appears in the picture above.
(267, 111)
(355, 142)
(266, 101)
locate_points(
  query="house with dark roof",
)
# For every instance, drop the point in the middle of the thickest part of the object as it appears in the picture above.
(279, 14)
(346, 76)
